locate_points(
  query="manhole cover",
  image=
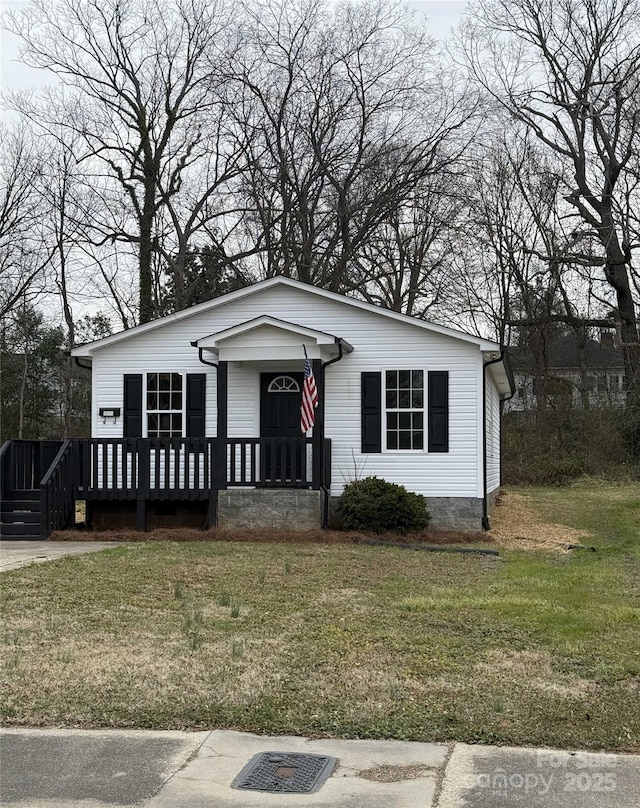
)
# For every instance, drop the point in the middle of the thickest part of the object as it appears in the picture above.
(285, 773)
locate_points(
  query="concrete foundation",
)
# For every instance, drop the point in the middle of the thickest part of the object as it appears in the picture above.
(457, 513)
(292, 509)
(297, 509)
(453, 513)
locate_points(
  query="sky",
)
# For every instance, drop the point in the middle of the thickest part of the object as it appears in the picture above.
(442, 16)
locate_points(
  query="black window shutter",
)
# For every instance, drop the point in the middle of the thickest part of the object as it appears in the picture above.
(371, 412)
(196, 402)
(438, 411)
(132, 427)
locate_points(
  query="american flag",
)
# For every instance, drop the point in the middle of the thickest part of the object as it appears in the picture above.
(309, 399)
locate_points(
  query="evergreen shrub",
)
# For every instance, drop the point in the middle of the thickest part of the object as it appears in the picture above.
(375, 505)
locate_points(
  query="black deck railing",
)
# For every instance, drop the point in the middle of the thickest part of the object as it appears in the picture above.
(25, 462)
(5, 451)
(144, 468)
(57, 492)
(155, 468)
(190, 468)
(270, 462)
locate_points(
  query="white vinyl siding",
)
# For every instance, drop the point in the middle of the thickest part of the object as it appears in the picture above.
(493, 435)
(378, 342)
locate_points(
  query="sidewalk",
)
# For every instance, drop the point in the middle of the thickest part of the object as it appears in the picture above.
(101, 768)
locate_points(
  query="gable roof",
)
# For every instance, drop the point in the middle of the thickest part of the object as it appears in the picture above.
(88, 349)
(321, 337)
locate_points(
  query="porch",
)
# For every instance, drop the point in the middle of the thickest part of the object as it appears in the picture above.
(42, 480)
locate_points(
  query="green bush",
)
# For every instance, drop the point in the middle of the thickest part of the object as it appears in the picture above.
(378, 506)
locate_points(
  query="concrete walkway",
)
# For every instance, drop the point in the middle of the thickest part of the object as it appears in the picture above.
(97, 769)
(15, 554)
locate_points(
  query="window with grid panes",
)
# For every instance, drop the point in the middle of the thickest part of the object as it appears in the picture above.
(404, 404)
(164, 405)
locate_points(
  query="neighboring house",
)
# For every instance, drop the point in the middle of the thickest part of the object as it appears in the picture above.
(399, 398)
(578, 373)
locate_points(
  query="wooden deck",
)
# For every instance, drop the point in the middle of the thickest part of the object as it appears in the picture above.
(148, 469)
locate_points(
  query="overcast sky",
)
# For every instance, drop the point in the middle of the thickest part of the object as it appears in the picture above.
(441, 14)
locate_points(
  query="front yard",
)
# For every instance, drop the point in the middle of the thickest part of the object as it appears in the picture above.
(535, 647)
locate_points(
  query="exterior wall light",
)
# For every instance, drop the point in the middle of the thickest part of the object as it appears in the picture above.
(109, 412)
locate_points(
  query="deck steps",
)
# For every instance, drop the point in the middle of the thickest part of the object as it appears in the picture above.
(20, 518)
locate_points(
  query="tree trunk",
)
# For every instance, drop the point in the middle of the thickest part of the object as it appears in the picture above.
(617, 275)
(23, 388)
(145, 255)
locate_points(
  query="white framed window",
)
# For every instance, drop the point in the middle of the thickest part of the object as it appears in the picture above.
(165, 405)
(404, 398)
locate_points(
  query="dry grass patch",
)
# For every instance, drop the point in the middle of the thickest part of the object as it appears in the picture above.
(533, 667)
(517, 524)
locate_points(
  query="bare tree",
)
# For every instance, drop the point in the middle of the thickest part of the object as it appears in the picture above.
(135, 87)
(569, 70)
(408, 264)
(348, 118)
(23, 255)
(64, 228)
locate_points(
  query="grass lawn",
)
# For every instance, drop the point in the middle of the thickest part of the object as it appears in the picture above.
(533, 647)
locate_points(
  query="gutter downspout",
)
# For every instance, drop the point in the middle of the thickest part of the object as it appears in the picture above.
(485, 505)
(77, 359)
(204, 361)
(212, 515)
(325, 508)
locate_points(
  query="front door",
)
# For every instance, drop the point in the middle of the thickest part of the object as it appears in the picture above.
(280, 399)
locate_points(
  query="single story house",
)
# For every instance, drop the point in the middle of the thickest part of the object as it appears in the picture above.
(196, 418)
(412, 402)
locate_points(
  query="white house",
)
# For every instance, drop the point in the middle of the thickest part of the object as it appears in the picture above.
(213, 393)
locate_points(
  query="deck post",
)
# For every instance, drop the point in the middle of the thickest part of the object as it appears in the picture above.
(222, 403)
(141, 515)
(143, 449)
(212, 510)
(318, 427)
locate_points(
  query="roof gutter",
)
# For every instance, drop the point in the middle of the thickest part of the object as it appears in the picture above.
(486, 525)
